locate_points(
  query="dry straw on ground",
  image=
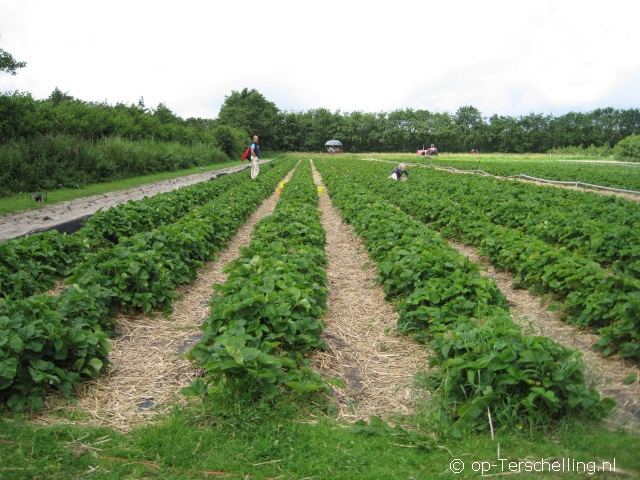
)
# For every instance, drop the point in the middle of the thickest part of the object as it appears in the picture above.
(376, 366)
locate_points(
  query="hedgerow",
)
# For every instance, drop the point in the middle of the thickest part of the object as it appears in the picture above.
(628, 149)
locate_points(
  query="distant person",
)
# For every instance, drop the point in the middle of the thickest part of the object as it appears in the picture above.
(398, 171)
(255, 155)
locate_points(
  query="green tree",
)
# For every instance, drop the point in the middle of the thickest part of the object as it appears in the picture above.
(469, 128)
(504, 133)
(628, 149)
(58, 96)
(629, 122)
(250, 111)
(321, 127)
(231, 141)
(396, 131)
(535, 133)
(165, 116)
(8, 64)
(290, 132)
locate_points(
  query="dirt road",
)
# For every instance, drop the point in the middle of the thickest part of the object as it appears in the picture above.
(47, 216)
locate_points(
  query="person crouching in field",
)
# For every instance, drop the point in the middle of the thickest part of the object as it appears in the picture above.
(398, 171)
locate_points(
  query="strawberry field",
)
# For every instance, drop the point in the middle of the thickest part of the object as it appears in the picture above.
(578, 249)
(125, 259)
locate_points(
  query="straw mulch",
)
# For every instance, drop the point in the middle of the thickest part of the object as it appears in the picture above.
(376, 366)
(607, 373)
(148, 367)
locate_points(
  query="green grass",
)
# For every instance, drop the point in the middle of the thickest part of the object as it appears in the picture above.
(23, 201)
(293, 439)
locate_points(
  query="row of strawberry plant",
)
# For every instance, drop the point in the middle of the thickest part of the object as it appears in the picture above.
(56, 342)
(623, 176)
(107, 226)
(51, 342)
(267, 314)
(592, 296)
(31, 264)
(485, 360)
(143, 270)
(601, 228)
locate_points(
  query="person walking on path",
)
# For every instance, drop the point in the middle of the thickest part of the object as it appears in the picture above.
(398, 171)
(255, 155)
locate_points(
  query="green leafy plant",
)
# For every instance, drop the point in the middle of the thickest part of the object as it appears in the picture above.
(483, 360)
(267, 313)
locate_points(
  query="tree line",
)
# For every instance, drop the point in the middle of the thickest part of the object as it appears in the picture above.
(247, 112)
(55, 142)
(407, 130)
(62, 141)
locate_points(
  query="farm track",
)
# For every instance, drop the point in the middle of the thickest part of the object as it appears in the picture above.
(376, 365)
(49, 215)
(607, 373)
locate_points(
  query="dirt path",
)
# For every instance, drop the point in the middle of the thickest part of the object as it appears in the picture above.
(148, 367)
(376, 365)
(47, 216)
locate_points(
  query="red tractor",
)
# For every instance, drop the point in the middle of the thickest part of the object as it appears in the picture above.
(429, 151)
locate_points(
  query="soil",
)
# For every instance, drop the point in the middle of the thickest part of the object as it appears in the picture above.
(49, 216)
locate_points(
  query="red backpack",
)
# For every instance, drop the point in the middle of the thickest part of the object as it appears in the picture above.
(245, 155)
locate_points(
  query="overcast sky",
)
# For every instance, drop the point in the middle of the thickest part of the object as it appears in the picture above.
(502, 57)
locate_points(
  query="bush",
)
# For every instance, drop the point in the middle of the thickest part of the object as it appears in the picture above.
(590, 151)
(628, 149)
(231, 140)
(57, 161)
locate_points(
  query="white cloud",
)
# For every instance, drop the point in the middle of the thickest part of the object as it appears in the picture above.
(502, 57)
